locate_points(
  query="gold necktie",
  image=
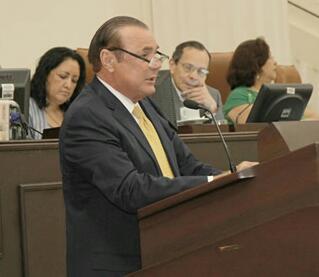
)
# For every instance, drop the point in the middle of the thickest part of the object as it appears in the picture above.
(154, 141)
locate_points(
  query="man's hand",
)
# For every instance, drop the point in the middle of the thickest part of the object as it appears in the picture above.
(245, 164)
(201, 95)
(239, 167)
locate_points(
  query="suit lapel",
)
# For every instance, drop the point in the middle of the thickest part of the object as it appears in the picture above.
(123, 117)
(129, 123)
(164, 96)
(170, 95)
(166, 143)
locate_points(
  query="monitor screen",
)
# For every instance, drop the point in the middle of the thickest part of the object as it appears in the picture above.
(20, 78)
(51, 133)
(280, 102)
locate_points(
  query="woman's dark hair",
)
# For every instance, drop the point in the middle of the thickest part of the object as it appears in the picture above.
(50, 60)
(247, 61)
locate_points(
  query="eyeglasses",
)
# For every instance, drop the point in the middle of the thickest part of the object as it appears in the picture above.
(190, 68)
(158, 57)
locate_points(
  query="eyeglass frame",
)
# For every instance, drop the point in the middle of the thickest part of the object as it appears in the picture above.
(202, 72)
(161, 59)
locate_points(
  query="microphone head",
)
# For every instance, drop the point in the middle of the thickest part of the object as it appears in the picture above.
(15, 118)
(191, 104)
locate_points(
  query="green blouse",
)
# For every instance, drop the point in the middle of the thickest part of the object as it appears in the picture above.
(237, 97)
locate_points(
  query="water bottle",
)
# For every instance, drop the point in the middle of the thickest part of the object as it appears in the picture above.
(11, 125)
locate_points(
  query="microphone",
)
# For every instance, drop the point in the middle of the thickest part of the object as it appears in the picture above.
(195, 106)
(17, 118)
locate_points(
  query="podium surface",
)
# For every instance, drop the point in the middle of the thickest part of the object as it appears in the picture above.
(283, 195)
(285, 246)
(280, 138)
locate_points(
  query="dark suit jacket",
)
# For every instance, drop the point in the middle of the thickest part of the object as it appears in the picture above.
(109, 171)
(167, 100)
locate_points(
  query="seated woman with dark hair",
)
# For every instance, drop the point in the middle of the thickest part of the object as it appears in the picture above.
(252, 65)
(58, 79)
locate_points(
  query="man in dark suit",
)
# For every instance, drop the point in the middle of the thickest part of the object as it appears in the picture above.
(186, 80)
(110, 165)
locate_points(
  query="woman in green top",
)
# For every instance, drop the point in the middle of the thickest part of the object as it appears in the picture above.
(251, 66)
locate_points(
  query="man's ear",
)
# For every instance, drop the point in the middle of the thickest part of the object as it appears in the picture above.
(107, 59)
(172, 66)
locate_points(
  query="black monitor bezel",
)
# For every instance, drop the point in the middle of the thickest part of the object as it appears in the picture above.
(271, 95)
(7, 76)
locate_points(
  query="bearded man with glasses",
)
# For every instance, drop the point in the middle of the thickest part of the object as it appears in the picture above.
(186, 80)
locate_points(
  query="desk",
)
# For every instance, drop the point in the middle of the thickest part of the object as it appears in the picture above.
(204, 142)
(36, 163)
(32, 209)
(211, 128)
(209, 149)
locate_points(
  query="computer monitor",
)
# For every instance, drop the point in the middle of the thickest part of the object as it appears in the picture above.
(280, 102)
(51, 133)
(20, 78)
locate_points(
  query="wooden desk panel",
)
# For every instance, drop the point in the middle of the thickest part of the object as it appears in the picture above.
(43, 229)
(209, 149)
(285, 246)
(1, 236)
(21, 162)
(211, 128)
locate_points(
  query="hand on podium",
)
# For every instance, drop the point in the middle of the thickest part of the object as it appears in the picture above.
(240, 167)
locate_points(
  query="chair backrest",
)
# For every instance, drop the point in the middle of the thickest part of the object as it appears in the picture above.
(287, 74)
(83, 52)
(217, 71)
(219, 67)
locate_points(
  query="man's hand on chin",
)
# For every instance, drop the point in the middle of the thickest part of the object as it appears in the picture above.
(202, 96)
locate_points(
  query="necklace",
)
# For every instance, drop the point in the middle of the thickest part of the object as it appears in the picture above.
(57, 122)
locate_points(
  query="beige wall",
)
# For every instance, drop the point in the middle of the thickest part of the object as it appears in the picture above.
(222, 25)
(29, 28)
(34, 26)
(304, 39)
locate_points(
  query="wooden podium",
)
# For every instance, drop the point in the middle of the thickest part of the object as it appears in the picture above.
(262, 226)
(280, 138)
